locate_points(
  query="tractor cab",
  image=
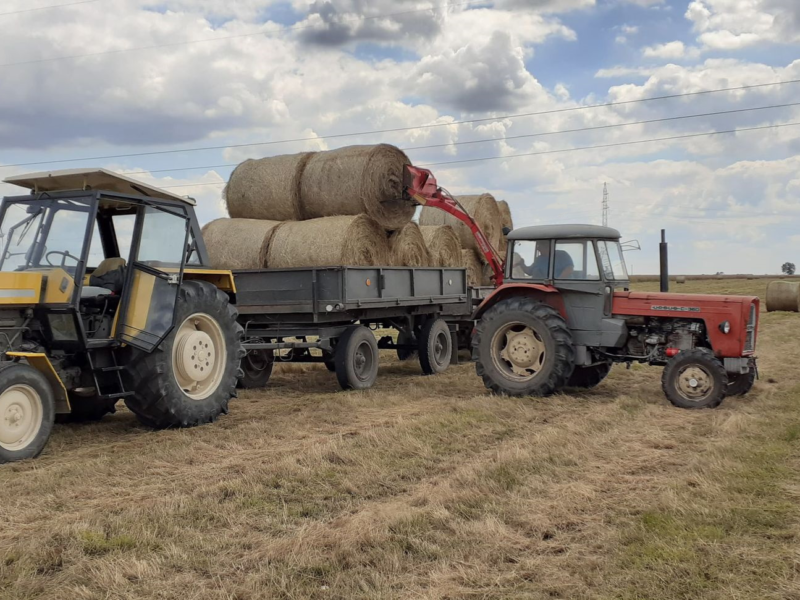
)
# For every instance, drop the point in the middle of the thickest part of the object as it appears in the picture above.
(98, 271)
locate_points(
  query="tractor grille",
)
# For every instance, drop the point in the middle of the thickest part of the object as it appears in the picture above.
(750, 338)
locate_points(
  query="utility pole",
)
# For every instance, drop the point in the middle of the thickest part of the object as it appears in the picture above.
(605, 205)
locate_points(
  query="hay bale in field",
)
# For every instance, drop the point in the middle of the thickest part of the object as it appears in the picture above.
(483, 209)
(239, 243)
(408, 248)
(267, 188)
(474, 267)
(783, 295)
(355, 180)
(443, 245)
(680, 279)
(329, 242)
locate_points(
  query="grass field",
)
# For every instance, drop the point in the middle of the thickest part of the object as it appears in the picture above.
(425, 488)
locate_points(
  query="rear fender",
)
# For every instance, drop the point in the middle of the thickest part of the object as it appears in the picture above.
(546, 294)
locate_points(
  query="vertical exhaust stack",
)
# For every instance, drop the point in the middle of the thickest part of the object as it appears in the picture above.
(663, 249)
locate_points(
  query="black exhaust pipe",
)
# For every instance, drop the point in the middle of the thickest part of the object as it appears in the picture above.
(663, 249)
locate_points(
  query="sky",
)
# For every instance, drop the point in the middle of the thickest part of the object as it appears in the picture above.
(187, 89)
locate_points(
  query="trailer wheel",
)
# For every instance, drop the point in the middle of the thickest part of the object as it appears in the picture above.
(695, 379)
(27, 412)
(524, 348)
(257, 368)
(356, 359)
(740, 385)
(589, 377)
(189, 379)
(404, 354)
(329, 359)
(435, 346)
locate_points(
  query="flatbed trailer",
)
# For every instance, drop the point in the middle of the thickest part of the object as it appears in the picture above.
(334, 311)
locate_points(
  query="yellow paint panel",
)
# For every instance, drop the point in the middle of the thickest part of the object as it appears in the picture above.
(60, 287)
(20, 288)
(218, 278)
(41, 363)
(139, 307)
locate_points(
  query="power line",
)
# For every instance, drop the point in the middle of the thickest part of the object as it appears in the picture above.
(565, 150)
(436, 125)
(237, 36)
(514, 137)
(26, 10)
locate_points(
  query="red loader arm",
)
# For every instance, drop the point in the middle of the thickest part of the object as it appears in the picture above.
(421, 187)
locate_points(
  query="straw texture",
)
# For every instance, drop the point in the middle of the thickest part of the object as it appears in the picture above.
(443, 245)
(474, 267)
(482, 208)
(408, 248)
(783, 295)
(239, 243)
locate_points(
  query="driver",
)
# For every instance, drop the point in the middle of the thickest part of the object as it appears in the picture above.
(564, 266)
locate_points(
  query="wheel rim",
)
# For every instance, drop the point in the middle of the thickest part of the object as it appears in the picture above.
(441, 346)
(199, 356)
(518, 351)
(21, 415)
(695, 383)
(363, 359)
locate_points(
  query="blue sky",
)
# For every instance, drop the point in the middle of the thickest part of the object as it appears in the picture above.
(731, 203)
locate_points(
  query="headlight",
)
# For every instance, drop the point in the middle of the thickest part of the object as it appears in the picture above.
(725, 327)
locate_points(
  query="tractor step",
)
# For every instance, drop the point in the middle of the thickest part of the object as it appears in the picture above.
(113, 369)
(117, 396)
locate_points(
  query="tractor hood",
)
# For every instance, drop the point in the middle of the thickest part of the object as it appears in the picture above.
(29, 288)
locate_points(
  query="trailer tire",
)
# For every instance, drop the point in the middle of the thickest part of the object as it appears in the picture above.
(159, 400)
(589, 377)
(27, 410)
(435, 346)
(542, 343)
(257, 369)
(695, 379)
(740, 385)
(404, 354)
(356, 358)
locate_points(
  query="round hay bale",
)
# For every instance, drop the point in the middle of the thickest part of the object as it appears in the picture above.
(474, 267)
(355, 180)
(268, 188)
(356, 241)
(783, 295)
(408, 248)
(443, 245)
(680, 279)
(508, 221)
(483, 209)
(239, 243)
(486, 276)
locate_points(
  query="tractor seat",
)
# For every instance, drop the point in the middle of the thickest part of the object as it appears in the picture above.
(105, 281)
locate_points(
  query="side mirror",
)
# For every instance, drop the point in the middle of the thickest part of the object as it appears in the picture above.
(506, 231)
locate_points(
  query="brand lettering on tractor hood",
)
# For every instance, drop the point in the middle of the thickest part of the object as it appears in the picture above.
(676, 308)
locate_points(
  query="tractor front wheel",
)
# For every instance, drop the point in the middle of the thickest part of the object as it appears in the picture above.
(27, 412)
(524, 348)
(189, 379)
(695, 379)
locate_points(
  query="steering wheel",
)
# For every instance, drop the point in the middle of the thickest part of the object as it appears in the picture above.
(62, 253)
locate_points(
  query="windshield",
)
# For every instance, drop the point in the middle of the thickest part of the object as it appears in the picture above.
(612, 261)
(43, 234)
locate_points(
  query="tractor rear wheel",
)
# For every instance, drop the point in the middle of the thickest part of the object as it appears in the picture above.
(589, 377)
(27, 412)
(695, 379)
(524, 348)
(189, 379)
(740, 385)
(257, 368)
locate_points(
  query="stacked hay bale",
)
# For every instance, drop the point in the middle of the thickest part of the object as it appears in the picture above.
(443, 245)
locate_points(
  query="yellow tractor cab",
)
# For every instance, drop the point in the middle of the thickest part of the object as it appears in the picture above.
(106, 294)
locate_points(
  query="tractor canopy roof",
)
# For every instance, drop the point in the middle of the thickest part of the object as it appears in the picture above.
(561, 232)
(92, 179)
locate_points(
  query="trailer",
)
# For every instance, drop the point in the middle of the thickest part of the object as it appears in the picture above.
(330, 315)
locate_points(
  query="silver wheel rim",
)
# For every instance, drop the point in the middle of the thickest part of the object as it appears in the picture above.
(441, 346)
(363, 359)
(21, 415)
(695, 383)
(518, 351)
(199, 355)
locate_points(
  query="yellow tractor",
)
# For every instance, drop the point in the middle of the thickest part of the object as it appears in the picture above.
(106, 294)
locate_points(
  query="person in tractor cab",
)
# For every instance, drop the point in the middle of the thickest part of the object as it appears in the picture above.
(538, 269)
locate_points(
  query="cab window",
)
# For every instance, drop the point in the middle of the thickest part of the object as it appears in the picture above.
(576, 260)
(163, 238)
(530, 259)
(612, 260)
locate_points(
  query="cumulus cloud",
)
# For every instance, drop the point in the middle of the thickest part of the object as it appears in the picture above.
(732, 24)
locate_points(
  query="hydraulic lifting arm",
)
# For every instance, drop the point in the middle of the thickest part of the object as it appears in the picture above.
(421, 186)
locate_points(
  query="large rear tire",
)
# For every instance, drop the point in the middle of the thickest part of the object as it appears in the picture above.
(589, 377)
(356, 358)
(695, 379)
(524, 348)
(27, 412)
(189, 379)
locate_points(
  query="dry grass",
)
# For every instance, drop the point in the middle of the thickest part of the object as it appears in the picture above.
(424, 488)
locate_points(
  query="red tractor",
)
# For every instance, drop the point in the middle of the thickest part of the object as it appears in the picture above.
(562, 314)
